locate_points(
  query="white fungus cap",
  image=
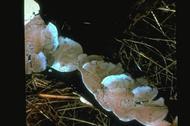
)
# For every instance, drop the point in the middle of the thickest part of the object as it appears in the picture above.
(51, 42)
(145, 93)
(30, 9)
(118, 81)
(52, 29)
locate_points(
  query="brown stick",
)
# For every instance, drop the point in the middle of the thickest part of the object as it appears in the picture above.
(57, 96)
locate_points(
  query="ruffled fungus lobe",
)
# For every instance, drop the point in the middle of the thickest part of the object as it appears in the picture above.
(66, 55)
(116, 87)
(42, 36)
(51, 28)
(148, 113)
(52, 42)
(34, 34)
(68, 51)
(93, 73)
(39, 38)
(122, 95)
(127, 105)
(102, 69)
(35, 63)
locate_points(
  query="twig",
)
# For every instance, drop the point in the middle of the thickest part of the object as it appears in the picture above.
(166, 9)
(157, 22)
(57, 96)
(72, 108)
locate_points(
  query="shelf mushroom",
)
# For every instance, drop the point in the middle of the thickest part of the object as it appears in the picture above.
(121, 94)
(115, 91)
(35, 61)
(128, 101)
(94, 71)
(69, 56)
(34, 35)
(40, 39)
(66, 55)
(37, 32)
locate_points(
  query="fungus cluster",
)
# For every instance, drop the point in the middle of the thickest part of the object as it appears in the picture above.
(113, 90)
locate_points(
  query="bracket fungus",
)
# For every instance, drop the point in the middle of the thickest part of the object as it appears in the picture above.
(93, 72)
(69, 56)
(66, 55)
(115, 91)
(119, 93)
(34, 34)
(40, 39)
(128, 104)
(41, 35)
